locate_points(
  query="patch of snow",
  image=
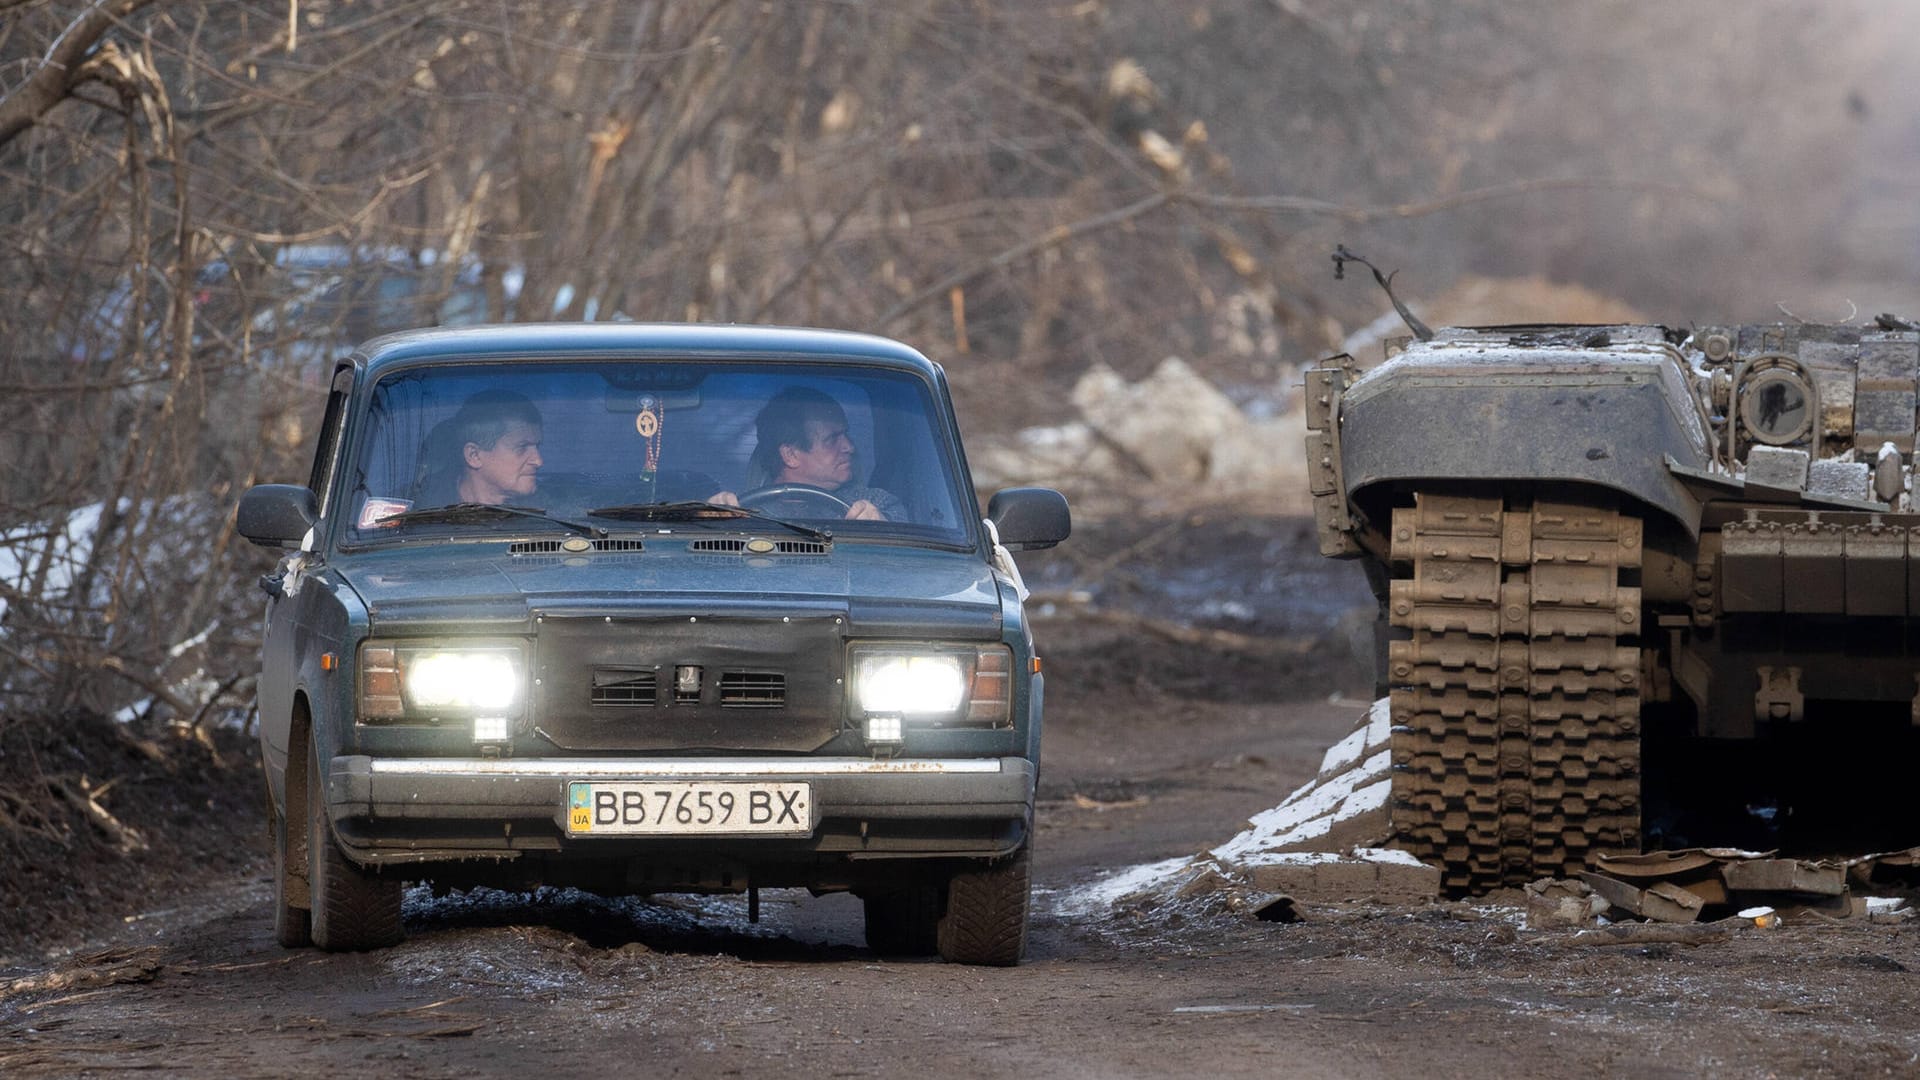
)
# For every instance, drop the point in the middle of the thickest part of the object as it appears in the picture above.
(1354, 780)
(1106, 891)
(1386, 855)
(1291, 858)
(1379, 723)
(1513, 915)
(1331, 803)
(1344, 753)
(46, 548)
(1298, 793)
(1885, 905)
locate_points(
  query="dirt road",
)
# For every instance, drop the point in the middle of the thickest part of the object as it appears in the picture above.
(1165, 747)
(572, 985)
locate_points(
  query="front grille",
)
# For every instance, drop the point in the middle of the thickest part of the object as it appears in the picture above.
(769, 683)
(552, 547)
(752, 690)
(624, 689)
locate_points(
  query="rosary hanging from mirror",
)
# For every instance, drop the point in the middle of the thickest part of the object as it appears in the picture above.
(648, 423)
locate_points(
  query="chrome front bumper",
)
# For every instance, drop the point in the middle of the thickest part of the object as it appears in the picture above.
(420, 804)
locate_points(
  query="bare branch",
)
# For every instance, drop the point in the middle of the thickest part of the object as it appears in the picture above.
(1293, 204)
(1052, 238)
(60, 70)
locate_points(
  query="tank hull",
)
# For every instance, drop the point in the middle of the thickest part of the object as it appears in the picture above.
(1594, 545)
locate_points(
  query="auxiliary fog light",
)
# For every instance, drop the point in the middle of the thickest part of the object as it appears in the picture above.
(884, 731)
(489, 729)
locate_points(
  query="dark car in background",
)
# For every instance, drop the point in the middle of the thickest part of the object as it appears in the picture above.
(649, 608)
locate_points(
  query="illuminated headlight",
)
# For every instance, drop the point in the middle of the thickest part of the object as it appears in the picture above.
(964, 685)
(915, 685)
(425, 681)
(462, 680)
(490, 729)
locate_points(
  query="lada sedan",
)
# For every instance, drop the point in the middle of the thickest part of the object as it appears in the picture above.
(644, 608)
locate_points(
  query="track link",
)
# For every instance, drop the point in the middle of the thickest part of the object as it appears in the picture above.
(1515, 701)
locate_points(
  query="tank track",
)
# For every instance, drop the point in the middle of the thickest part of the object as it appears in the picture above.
(1516, 701)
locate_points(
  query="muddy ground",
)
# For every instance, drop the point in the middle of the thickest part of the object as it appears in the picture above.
(1197, 667)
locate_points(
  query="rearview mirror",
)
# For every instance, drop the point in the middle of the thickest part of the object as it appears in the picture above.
(276, 515)
(1029, 519)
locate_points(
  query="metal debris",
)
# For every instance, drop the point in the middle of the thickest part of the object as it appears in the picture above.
(1679, 886)
(1663, 901)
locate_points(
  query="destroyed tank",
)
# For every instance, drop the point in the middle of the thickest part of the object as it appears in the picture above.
(1639, 587)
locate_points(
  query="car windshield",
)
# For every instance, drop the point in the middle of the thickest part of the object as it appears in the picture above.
(642, 444)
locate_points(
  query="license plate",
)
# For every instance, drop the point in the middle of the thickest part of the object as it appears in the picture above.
(688, 808)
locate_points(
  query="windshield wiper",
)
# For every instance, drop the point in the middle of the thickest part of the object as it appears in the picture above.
(458, 513)
(695, 510)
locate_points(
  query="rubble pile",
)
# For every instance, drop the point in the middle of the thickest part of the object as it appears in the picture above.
(1324, 843)
(1171, 431)
(1327, 842)
(1693, 884)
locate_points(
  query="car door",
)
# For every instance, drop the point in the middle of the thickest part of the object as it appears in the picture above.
(280, 659)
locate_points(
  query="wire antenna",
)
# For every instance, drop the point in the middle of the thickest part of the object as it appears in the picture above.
(1341, 257)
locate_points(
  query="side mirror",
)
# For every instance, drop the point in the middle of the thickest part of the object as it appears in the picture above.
(1029, 519)
(276, 515)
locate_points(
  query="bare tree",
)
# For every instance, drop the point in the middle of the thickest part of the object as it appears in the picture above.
(207, 202)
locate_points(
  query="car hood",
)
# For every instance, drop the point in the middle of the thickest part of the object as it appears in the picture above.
(882, 590)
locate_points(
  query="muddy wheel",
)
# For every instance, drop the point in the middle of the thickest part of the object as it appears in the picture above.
(352, 909)
(292, 925)
(904, 922)
(986, 919)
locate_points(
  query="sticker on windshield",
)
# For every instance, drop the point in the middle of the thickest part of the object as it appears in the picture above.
(376, 510)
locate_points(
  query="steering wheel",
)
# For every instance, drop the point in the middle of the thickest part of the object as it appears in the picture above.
(805, 495)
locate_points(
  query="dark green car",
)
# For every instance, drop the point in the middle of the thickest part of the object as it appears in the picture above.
(642, 609)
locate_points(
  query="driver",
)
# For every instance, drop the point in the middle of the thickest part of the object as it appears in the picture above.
(803, 440)
(491, 452)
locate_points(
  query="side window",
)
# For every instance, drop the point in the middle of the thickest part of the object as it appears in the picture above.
(320, 480)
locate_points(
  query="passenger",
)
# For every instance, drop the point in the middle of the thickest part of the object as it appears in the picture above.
(802, 439)
(489, 452)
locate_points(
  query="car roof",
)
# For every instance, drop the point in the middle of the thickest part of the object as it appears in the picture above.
(534, 341)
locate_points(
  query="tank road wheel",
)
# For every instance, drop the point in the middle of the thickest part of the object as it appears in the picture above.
(906, 921)
(986, 919)
(1515, 700)
(352, 909)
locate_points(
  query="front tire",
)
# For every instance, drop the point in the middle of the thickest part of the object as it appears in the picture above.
(292, 925)
(987, 909)
(352, 909)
